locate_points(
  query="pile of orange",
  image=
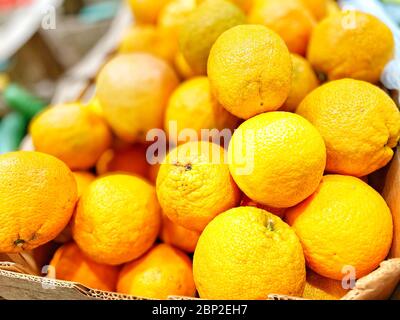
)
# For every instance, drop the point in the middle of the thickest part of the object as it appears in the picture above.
(134, 186)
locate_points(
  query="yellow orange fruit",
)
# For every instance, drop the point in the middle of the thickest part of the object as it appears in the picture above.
(182, 67)
(192, 106)
(131, 159)
(194, 185)
(304, 80)
(361, 43)
(117, 219)
(71, 133)
(289, 18)
(359, 123)
(248, 253)
(71, 264)
(277, 159)
(318, 8)
(38, 195)
(147, 11)
(178, 236)
(83, 180)
(250, 70)
(163, 271)
(150, 39)
(94, 106)
(344, 223)
(332, 7)
(203, 26)
(245, 5)
(321, 288)
(247, 202)
(133, 90)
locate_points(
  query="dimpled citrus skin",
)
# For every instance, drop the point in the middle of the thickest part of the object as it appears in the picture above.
(117, 219)
(321, 288)
(83, 180)
(71, 264)
(71, 133)
(178, 236)
(250, 70)
(248, 253)
(192, 106)
(163, 271)
(277, 159)
(200, 30)
(304, 80)
(147, 11)
(193, 186)
(344, 223)
(289, 18)
(361, 43)
(359, 123)
(38, 196)
(133, 90)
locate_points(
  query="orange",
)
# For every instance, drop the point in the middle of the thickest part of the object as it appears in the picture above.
(250, 70)
(153, 172)
(362, 46)
(147, 11)
(192, 106)
(83, 180)
(194, 185)
(71, 133)
(289, 18)
(247, 202)
(202, 27)
(321, 288)
(344, 223)
(71, 264)
(133, 90)
(359, 122)
(38, 197)
(304, 80)
(318, 8)
(163, 271)
(182, 67)
(150, 39)
(117, 219)
(130, 159)
(277, 159)
(177, 236)
(248, 253)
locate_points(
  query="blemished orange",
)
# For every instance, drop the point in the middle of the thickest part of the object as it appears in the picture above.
(117, 219)
(194, 184)
(289, 18)
(162, 272)
(83, 180)
(344, 223)
(277, 158)
(178, 236)
(250, 70)
(147, 11)
(150, 39)
(248, 253)
(131, 159)
(38, 194)
(133, 90)
(318, 8)
(361, 43)
(193, 106)
(359, 122)
(247, 202)
(321, 288)
(72, 133)
(304, 80)
(71, 264)
(202, 28)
